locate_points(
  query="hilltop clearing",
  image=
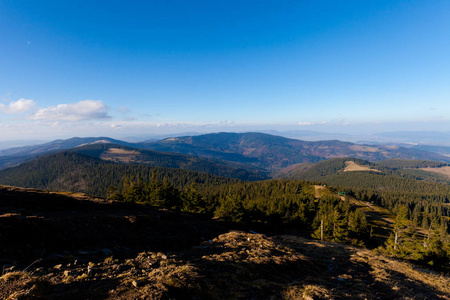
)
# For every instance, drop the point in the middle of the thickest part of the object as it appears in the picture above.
(76, 247)
(353, 167)
(439, 170)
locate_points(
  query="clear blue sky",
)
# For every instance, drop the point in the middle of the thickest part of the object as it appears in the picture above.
(120, 68)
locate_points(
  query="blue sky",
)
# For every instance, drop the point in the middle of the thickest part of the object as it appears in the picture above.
(121, 68)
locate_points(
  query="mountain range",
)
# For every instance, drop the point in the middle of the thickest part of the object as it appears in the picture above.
(265, 151)
(63, 164)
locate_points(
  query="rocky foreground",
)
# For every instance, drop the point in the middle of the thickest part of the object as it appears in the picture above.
(56, 246)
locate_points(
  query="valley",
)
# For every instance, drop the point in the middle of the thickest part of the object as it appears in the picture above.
(236, 150)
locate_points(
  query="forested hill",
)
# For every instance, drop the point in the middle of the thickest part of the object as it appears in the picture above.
(59, 145)
(275, 152)
(15, 156)
(330, 169)
(417, 184)
(71, 171)
(128, 155)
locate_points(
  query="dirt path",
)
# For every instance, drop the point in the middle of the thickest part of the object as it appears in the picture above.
(317, 191)
(382, 216)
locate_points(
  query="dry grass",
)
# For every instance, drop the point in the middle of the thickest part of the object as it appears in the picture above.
(22, 285)
(362, 148)
(442, 170)
(238, 265)
(352, 167)
(122, 151)
(120, 155)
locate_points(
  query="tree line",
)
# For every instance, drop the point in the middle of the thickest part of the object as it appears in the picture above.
(271, 203)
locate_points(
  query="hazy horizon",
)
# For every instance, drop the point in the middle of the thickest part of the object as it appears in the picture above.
(123, 69)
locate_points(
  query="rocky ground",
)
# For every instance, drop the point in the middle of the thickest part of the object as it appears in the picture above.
(56, 246)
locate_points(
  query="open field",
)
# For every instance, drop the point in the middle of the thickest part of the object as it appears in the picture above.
(352, 166)
(120, 155)
(442, 170)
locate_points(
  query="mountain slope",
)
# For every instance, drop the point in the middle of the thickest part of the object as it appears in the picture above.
(420, 170)
(15, 156)
(259, 150)
(390, 183)
(72, 171)
(275, 152)
(74, 247)
(59, 145)
(128, 155)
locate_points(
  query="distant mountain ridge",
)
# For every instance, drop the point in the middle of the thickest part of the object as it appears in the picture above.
(258, 150)
(275, 152)
(59, 145)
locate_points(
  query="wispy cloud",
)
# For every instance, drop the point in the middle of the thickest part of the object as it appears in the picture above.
(311, 123)
(123, 110)
(17, 107)
(83, 110)
(198, 124)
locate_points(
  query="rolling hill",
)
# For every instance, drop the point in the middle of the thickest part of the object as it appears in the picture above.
(15, 156)
(392, 181)
(421, 170)
(274, 152)
(58, 145)
(77, 172)
(128, 155)
(258, 150)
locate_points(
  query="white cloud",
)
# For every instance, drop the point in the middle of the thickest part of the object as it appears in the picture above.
(16, 107)
(83, 110)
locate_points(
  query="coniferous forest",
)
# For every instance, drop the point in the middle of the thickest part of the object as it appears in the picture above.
(419, 209)
(292, 205)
